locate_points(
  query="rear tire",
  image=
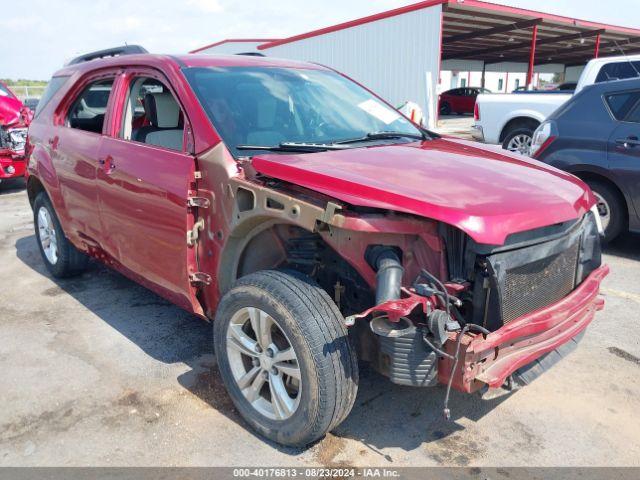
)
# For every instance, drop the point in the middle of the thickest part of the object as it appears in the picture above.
(611, 209)
(60, 257)
(302, 317)
(445, 109)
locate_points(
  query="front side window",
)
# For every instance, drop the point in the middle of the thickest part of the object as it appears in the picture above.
(269, 106)
(152, 115)
(88, 111)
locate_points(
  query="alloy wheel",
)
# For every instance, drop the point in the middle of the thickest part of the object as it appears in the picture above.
(264, 363)
(520, 144)
(47, 235)
(604, 210)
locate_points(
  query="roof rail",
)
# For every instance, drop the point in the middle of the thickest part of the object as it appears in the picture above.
(108, 52)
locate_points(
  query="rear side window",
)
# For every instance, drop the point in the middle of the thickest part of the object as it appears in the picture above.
(618, 71)
(52, 88)
(88, 110)
(624, 105)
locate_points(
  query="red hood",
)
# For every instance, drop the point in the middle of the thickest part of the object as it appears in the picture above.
(10, 110)
(485, 193)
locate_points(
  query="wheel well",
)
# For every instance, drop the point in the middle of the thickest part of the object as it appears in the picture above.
(34, 187)
(590, 176)
(518, 122)
(281, 245)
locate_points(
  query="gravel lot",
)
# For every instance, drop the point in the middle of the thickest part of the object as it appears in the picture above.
(97, 370)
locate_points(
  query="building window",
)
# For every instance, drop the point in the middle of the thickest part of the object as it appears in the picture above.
(500, 84)
(463, 82)
(517, 83)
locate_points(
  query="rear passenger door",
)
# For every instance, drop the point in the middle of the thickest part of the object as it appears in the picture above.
(144, 182)
(624, 143)
(75, 149)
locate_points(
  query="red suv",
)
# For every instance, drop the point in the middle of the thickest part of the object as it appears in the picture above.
(314, 226)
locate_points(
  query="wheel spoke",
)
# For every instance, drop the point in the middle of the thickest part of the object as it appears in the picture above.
(284, 355)
(240, 341)
(289, 369)
(283, 404)
(261, 323)
(252, 392)
(248, 378)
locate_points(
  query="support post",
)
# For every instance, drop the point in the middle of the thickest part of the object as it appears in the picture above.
(484, 70)
(596, 53)
(532, 56)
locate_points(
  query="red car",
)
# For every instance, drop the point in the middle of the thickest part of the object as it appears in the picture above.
(459, 100)
(314, 225)
(14, 118)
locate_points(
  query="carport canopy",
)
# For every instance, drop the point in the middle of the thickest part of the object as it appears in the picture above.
(491, 33)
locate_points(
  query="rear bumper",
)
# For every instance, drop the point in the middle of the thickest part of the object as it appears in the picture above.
(489, 361)
(477, 133)
(12, 165)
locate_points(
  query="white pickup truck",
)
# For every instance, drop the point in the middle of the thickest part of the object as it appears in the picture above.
(511, 119)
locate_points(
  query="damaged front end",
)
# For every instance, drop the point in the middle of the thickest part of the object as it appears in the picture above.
(14, 120)
(499, 309)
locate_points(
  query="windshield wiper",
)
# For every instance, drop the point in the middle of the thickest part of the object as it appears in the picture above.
(383, 136)
(293, 147)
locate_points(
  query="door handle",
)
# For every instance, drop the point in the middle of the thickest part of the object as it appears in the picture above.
(628, 142)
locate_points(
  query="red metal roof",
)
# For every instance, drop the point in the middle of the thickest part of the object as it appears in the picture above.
(233, 40)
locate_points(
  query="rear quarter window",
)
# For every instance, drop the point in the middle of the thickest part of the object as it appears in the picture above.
(52, 88)
(623, 104)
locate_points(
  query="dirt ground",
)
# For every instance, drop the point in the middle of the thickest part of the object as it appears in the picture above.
(96, 370)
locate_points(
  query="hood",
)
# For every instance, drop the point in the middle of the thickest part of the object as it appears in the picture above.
(486, 193)
(10, 110)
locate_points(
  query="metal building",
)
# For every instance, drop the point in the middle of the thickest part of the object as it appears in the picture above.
(399, 53)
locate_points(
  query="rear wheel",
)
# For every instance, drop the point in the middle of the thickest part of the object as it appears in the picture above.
(60, 257)
(611, 209)
(285, 357)
(519, 140)
(445, 109)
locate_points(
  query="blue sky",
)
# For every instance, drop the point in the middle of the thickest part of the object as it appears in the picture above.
(37, 36)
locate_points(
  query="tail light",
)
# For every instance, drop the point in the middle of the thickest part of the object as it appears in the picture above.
(542, 138)
(476, 112)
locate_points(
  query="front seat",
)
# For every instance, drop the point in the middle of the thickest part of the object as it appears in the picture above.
(163, 113)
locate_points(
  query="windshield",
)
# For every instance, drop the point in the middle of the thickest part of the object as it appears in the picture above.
(270, 106)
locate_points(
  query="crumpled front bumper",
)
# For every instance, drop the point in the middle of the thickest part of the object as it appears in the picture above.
(12, 164)
(490, 360)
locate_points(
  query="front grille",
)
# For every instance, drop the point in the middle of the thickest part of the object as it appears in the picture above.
(537, 284)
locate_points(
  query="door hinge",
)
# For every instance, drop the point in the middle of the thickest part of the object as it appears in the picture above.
(200, 278)
(200, 202)
(194, 233)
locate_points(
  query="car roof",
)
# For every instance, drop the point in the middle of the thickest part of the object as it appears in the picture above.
(185, 61)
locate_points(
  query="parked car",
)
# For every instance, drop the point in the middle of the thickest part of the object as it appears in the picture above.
(510, 120)
(595, 136)
(14, 119)
(459, 100)
(31, 103)
(314, 225)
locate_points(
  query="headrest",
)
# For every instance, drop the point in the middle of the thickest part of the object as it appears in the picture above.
(162, 110)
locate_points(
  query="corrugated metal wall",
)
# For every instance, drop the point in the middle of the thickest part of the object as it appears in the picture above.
(396, 57)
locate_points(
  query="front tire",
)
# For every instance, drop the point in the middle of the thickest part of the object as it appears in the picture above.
(284, 356)
(60, 257)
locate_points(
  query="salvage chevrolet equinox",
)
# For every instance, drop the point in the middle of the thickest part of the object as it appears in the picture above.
(314, 226)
